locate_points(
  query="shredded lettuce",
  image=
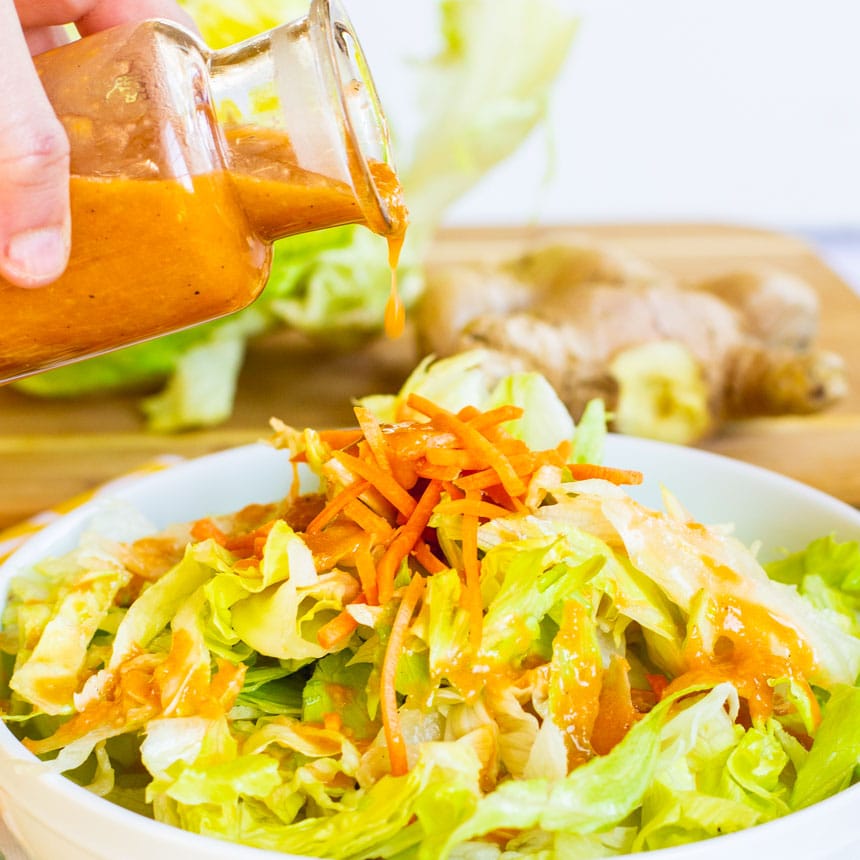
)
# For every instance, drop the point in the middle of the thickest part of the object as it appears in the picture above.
(608, 679)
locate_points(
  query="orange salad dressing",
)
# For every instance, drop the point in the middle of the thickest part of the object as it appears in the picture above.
(151, 256)
(752, 648)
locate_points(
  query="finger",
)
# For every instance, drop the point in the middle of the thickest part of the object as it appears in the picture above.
(34, 168)
(109, 13)
(94, 15)
(44, 38)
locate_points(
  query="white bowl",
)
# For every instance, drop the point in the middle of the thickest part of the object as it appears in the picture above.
(57, 820)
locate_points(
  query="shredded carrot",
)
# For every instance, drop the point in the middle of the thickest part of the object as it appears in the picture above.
(243, 563)
(206, 528)
(441, 473)
(468, 412)
(452, 490)
(523, 465)
(482, 480)
(493, 417)
(411, 441)
(337, 630)
(366, 571)
(405, 540)
(657, 683)
(472, 570)
(382, 481)
(372, 430)
(387, 689)
(295, 487)
(583, 471)
(336, 505)
(251, 541)
(472, 506)
(332, 722)
(473, 440)
(455, 457)
(340, 439)
(427, 558)
(564, 450)
(372, 523)
(508, 445)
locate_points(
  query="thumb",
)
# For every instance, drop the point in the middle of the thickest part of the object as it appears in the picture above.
(34, 168)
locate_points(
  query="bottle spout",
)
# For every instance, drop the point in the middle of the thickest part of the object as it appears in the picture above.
(365, 125)
(298, 105)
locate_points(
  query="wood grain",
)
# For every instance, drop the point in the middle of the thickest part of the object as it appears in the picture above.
(51, 450)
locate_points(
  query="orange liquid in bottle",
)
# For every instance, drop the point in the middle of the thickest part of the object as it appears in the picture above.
(197, 248)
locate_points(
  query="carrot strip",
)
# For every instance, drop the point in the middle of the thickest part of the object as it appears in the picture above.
(249, 542)
(405, 540)
(372, 523)
(523, 464)
(478, 480)
(452, 490)
(412, 441)
(657, 683)
(468, 413)
(338, 439)
(441, 473)
(473, 439)
(472, 506)
(332, 722)
(583, 471)
(427, 558)
(493, 417)
(337, 630)
(367, 572)
(372, 430)
(564, 450)
(472, 569)
(206, 528)
(387, 689)
(455, 457)
(509, 446)
(500, 497)
(295, 487)
(382, 481)
(336, 505)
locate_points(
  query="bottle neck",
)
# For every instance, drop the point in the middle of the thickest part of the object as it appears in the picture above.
(305, 138)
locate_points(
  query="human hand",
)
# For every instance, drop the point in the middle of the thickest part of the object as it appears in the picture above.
(35, 229)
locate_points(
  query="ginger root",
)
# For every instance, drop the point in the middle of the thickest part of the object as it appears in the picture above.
(671, 360)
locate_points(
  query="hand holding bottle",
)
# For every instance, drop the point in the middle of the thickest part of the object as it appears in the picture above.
(35, 229)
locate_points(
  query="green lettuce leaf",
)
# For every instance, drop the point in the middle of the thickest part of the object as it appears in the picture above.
(595, 797)
(835, 755)
(281, 620)
(827, 574)
(338, 686)
(49, 675)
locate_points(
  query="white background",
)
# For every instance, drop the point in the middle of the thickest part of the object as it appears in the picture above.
(742, 111)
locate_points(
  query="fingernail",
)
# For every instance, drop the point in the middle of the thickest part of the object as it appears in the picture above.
(37, 257)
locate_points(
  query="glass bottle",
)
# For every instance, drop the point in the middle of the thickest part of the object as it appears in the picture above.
(186, 164)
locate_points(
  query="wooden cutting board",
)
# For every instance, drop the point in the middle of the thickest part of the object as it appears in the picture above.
(52, 450)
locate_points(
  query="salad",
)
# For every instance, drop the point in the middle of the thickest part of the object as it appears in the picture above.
(458, 637)
(333, 285)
